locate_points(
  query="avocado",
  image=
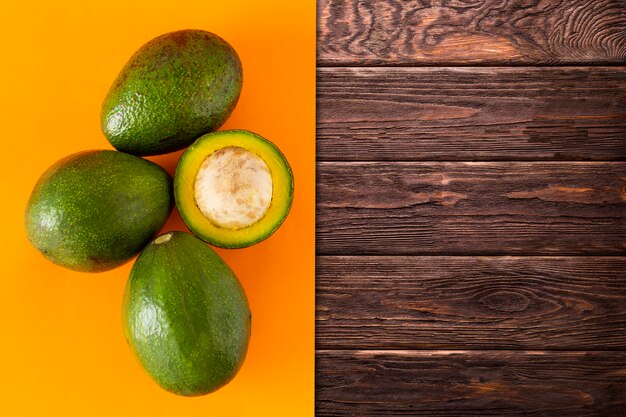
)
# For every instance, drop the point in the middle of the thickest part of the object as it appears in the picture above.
(185, 315)
(94, 210)
(233, 188)
(173, 89)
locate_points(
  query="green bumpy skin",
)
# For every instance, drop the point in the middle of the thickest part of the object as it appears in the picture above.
(93, 211)
(172, 90)
(185, 315)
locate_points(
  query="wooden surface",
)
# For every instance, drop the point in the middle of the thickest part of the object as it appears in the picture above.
(460, 114)
(481, 208)
(471, 209)
(376, 383)
(467, 32)
(475, 302)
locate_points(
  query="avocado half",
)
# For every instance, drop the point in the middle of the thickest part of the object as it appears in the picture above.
(233, 188)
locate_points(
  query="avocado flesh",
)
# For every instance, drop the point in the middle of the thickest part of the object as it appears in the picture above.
(173, 89)
(185, 315)
(207, 194)
(94, 210)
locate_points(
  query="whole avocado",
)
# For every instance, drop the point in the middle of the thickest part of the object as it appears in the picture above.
(173, 89)
(94, 210)
(185, 315)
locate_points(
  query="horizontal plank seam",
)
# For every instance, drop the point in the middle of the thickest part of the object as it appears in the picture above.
(559, 162)
(608, 64)
(478, 255)
(620, 160)
(467, 350)
(454, 255)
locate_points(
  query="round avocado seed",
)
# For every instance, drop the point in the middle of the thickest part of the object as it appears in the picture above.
(233, 188)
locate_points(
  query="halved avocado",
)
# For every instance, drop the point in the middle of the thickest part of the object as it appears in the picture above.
(233, 188)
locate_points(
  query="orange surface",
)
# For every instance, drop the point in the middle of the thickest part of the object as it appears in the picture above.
(62, 352)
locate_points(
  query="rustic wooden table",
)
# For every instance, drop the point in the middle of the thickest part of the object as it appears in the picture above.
(471, 208)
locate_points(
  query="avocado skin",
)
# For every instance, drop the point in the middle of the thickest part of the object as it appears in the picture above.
(92, 211)
(173, 89)
(185, 316)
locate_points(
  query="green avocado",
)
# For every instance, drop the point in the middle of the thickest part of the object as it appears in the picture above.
(185, 315)
(233, 188)
(94, 210)
(173, 89)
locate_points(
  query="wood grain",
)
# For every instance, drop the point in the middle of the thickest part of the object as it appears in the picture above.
(480, 114)
(462, 32)
(393, 179)
(470, 383)
(425, 302)
(471, 208)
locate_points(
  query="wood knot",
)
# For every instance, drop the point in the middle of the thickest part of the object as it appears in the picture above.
(507, 301)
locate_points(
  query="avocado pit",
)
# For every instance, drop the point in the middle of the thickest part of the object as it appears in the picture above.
(233, 188)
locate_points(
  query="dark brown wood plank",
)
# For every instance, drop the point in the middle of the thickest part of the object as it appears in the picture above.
(470, 383)
(460, 32)
(456, 302)
(480, 114)
(471, 208)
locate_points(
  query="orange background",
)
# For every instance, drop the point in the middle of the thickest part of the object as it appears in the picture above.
(62, 352)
